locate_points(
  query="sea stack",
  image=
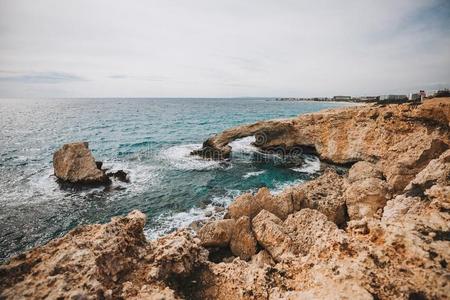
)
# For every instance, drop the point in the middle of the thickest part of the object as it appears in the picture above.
(75, 164)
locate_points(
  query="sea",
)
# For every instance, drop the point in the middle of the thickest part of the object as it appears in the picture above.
(150, 139)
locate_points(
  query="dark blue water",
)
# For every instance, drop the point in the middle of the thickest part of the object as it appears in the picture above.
(149, 138)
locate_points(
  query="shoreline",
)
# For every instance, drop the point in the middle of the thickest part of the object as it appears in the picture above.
(354, 223)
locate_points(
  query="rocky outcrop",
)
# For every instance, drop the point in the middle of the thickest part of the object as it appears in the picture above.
(217, 233)
(243, 242)
(379, 232)
(325, 194)
(75, 164)
(109, 261)
(400, 139)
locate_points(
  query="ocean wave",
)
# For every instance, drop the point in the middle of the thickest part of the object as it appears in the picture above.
(252, 174)
(169, 221)
(179, 157)
(311, 165)
(243, 145)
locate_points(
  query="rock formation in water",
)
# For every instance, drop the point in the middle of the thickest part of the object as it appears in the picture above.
(379, 232)
(399, 139)
(75, 164)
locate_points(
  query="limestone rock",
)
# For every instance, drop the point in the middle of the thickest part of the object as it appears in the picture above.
(176, 254)
(365, 197)
(279, 206)
(243, 242)
(74, 164)
(244, 205)
(363, 170)
(262, 258)
(307, 227)
(217, 233)
(270, 234)
(436, 172)
(325, 194)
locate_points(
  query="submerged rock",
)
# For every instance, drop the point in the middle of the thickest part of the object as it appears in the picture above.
(120, 175)
(75, 164)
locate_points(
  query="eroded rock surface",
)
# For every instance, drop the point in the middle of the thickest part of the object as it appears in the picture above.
(75, 164)
(107, 261)
(217, 233)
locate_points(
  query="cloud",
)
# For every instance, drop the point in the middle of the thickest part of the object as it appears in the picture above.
(204, 48)
(40, 77)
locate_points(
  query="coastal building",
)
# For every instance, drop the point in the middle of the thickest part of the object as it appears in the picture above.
(368, 99)
(342, 98)
(442, 93)
(393, 98)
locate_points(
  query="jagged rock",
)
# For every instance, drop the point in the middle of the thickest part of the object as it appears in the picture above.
(176, 254)
(414, 157)
(399, 206)
(74, 164)
(217, 233)
(307, 227)
(436, 172)
(439, 196)
(270, 234)
(244, 205)
(107, 261)
(280, 206)
(365, 197)
(324, 194)
(262, 258)
(328, 289)
(243, 242)
(120, 175)
(363, 170)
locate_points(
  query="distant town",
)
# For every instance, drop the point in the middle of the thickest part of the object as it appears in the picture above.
(412, 97)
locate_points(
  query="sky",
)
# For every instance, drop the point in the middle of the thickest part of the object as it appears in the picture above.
(222, 48)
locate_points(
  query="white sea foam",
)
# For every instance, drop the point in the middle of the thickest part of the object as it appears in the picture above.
(311, 165)
(252, 174)
(243, 145)
(141, 175)
(170, 221)
(180, 158)
(280, 186)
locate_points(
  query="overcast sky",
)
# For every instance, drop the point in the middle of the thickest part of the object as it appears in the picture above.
(223, 48)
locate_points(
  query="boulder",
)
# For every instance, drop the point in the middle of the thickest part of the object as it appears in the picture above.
(279, 205)
(243, 242)
(307, 227)
(75, 164)
(363, 170)
(262, 258)
(436, 172)
(415, 156)
(244, 205)
(325, 194)
(270, 234)
(365, 197)
(217, 233)
(120, 175)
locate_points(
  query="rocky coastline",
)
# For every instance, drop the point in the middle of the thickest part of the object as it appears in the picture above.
(381, 231)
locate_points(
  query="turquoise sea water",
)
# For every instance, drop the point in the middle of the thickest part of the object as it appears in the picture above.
(149, 138)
